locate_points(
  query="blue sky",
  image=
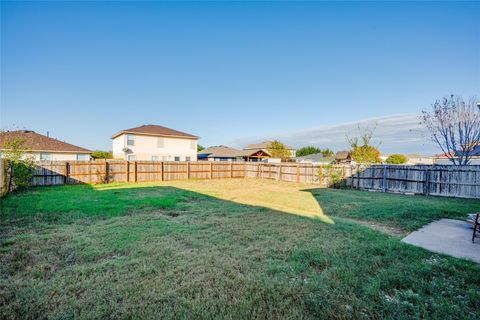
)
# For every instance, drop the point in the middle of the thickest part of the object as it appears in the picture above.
(233, 72)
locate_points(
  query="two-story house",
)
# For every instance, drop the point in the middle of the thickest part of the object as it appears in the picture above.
(154, 143)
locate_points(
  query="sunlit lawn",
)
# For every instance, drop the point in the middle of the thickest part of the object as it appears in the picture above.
(226, 249)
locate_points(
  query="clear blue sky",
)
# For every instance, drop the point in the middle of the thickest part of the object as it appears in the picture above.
(228, 71)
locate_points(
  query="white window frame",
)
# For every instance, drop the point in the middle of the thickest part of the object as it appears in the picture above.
(188, 159)
(131, 157)
(130, 138)
(175, 158)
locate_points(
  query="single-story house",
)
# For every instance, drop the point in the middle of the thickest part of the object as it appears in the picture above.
(343, 157)
(474, 157)
(224, 153)
(154, 143)
(220, 153)
(44, 148)
(316, 158)
(259, 151)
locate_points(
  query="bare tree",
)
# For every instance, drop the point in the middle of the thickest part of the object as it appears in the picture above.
(454, 126)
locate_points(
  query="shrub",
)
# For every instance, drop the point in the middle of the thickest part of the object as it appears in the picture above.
(396, 159)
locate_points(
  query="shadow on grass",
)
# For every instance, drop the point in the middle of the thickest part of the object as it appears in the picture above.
(75, 202)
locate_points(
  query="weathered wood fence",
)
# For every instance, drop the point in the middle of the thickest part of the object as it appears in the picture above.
(71, 172)
(437, 180)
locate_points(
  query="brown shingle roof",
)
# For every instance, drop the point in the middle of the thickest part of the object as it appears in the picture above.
(342, 155)
(154, 130)
(38, 142)
(221, 152)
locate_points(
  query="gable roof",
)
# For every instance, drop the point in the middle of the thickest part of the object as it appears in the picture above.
(220, 152)
(342, 155)
(38, 142)
(155, 130)
(317, 157)
(263, 145)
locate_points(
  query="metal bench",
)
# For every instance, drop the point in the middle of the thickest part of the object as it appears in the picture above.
(474, 219)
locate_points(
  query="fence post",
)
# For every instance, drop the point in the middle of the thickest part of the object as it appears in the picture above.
(426, 183)
(107, 171)
(135, 170)
(188, 170)
(65, 173)
(162, 170)
(384, 178)
(231, 169)
(211, 170)
(127, 171)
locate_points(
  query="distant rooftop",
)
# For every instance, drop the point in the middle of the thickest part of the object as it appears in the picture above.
(156, 130)
(262, 145)
(38, 142)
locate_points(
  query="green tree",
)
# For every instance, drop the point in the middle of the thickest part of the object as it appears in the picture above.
(305, 151)
(199, 147)
(396, 159)
(362, 149)
(327, 152)
(276, 149)
(100, 154)
(19, 166)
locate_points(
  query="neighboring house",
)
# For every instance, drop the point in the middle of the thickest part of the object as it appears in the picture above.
(220, 153)
(259, 151)
(44, 148)
(316, 158)
(419, 159)
(154, 143)
(343, 157)
(442, 159)
(224, 153)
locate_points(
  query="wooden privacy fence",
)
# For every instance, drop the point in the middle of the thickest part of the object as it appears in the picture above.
(71, 172)
(437, 180)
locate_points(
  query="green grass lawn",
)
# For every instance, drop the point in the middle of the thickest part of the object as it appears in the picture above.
(226, 249)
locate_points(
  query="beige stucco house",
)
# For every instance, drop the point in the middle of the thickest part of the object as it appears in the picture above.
(43, 148)
(154, 143)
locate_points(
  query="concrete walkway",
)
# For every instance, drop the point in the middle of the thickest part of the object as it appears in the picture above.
(452, 237)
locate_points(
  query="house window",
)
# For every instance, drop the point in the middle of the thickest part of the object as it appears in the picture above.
(177, 158)
(130, 140)
(160, 142)
(166, 158)
(155, 158)
(193, 144)
(187, 158)
(45, 157)
(83, 157)
(131, 157)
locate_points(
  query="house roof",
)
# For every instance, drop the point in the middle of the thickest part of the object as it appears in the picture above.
(342, 155)
(473, 153)
(155, 130)
(220, 152)
(262, 145)
(316, 157)
(38, 142)
(227, 152)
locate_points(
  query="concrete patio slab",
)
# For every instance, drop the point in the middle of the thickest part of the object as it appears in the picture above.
(448, 236)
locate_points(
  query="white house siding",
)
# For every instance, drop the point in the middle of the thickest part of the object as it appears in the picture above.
(56, 156)
(147, 148)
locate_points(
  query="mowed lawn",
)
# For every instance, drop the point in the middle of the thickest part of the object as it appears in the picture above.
(233, 249)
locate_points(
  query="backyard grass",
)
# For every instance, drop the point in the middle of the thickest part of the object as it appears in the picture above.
(226, 249)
